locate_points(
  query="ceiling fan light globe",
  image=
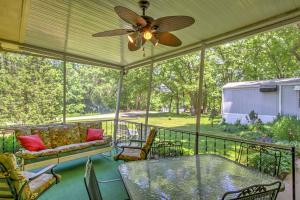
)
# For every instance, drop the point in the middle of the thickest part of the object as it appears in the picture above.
(147, 35)
(130, 38)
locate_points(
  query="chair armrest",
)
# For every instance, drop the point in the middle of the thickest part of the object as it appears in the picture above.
(130, 147)
(137, 140)
(42, 171)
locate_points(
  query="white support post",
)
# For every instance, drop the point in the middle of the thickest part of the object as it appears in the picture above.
(116, 121)
(64, 91)
(280, 100)
(65, 64)
(149, 96)
(199, 98)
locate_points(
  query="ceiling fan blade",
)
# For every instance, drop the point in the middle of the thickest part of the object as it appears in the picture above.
(168, 39)
(172, 23)
(129, 16)
(113, 33)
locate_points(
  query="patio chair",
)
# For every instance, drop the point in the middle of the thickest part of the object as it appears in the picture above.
(23, 185)
(132, 153)
(255, 192)
(124, 133)
(91, 183)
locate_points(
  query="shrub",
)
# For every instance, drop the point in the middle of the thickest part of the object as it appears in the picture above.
(252, 117)
(238, 122)
(250, 135)
(287, 128)
(231, 128)
(213, 114)
(223, 122)
(268, 163)
(234, 128)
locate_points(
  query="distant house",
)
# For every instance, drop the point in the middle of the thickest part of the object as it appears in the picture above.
(267, 98)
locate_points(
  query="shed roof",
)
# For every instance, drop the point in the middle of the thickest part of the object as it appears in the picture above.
(63, 28)
(247, 84)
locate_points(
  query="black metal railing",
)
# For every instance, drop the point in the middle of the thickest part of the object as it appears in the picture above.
(276, 160)
(273, 159)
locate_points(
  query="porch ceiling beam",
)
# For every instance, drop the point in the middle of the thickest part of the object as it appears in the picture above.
(24, 18)
(258, 27)
(23, 48)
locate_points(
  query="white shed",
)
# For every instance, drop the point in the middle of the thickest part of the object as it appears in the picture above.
(268, 98)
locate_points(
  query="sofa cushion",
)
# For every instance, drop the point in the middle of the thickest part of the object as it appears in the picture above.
(25, 154)
(43, 132)
(94, 134)
(81, 146)
(72, 147)
(41, 183)
(32, 142)
(99, 142)
(129, 155)
(64, 135)
(84, 126)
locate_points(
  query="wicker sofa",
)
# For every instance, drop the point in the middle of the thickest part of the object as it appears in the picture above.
(64, 142)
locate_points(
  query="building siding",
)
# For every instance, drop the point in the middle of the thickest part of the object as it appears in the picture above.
(244, 100)
(290, 100)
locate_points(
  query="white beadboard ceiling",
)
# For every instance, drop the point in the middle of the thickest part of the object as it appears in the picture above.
(64, 27)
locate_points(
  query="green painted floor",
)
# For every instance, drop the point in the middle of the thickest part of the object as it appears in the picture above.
(72, 186)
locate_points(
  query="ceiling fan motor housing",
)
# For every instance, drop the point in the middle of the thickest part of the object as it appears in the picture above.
(144, 4)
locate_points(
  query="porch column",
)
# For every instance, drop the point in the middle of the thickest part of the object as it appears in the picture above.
(65, 63)
(64, 91)
(199, 98)
(148, 96)
(120, 86)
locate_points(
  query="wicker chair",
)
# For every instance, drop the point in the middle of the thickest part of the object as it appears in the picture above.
(255, 192)
(132, 153)
(23, 185)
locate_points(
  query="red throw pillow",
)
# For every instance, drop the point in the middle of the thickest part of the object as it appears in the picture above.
(32, 142)
(94, 134)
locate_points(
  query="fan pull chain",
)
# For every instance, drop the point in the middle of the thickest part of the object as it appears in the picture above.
(144, 52)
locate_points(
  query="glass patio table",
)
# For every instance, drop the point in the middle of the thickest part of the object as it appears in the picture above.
(188, 177)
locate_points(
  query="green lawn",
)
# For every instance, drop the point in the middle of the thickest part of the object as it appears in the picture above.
(181, 122)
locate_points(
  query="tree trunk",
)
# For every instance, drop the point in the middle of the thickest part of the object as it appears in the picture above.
(170, 105)
(177, 103)
(193, 102)
(138, 103)
(204, 109)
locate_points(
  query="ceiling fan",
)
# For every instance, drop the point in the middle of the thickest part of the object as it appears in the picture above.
(145, 28)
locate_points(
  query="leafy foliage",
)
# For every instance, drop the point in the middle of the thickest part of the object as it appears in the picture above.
(287, 128)
(268, 163)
